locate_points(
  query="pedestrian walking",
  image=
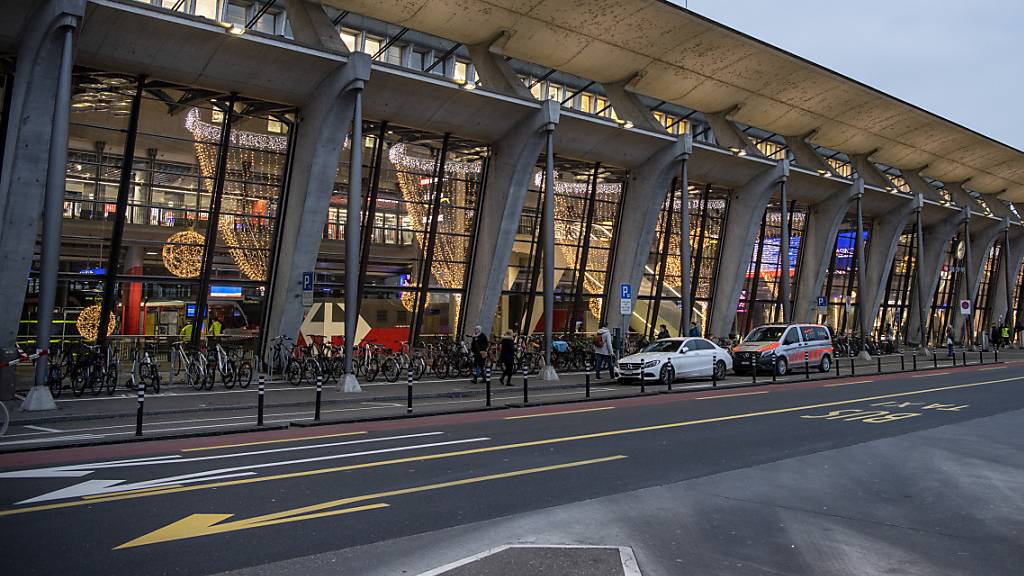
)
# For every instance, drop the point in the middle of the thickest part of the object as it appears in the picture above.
(1004, 335)
(663, 332)
(507, 356)
(694, 330)
(949, 342)
(602, 342)
(993, 336)
(478, 348)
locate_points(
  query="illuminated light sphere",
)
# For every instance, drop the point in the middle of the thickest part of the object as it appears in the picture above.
(88, 322)
(183, 254)
(409, 300)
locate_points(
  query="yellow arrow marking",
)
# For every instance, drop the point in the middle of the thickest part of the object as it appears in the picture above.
(205, 524)
(489, 449)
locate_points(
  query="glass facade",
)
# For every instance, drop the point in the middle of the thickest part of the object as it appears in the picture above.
(895, 310)
(760, 299)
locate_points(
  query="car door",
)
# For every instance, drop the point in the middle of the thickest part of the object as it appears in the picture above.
(688, 360)
(792, 346)
(708, 353)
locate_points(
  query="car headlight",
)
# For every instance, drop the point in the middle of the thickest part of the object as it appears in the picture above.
(651, 364)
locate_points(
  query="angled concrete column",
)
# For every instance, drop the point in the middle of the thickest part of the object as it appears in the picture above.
(495, 73)
(628, 106)
(512, 164)
(918, 185)
(728, 135)
(998, 298)
(869, 173)
(886, 230)
(746, 209)
(962, 198)
(982, 239)
(646, 191)
(934, 241)
(805, 155)
(35, 149)
(823, 221)
(324, 123)
(312, 26)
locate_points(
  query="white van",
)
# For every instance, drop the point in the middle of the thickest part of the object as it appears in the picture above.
(782, 347)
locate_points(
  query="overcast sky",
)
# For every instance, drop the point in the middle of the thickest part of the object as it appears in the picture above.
(963, 60)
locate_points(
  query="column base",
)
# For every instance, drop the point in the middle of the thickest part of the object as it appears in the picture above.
(38, 399)
(349, 384)
(864, 356)
(548, 374)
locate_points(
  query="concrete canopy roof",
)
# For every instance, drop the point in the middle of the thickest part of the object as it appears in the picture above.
(684, 58)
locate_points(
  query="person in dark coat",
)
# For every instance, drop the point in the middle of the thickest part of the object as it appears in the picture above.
(478, 347)
(663, 332)
(507, 356)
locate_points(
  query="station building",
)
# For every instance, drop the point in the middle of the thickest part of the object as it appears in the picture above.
(170, 161)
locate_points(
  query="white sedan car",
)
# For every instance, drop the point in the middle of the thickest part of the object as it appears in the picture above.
(667, 360)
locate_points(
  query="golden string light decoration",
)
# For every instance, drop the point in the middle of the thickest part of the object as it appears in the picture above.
(570, 224)
(416, 183)
(251, 185)
(183, 254)
(88, 323)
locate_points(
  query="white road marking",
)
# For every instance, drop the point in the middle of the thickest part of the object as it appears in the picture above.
(41, 428)
(99, 486)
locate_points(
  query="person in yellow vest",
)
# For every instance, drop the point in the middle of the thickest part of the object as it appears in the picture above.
(186, 332)
(215, 326)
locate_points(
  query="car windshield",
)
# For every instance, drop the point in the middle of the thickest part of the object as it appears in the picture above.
(663, 346)
(765, 334)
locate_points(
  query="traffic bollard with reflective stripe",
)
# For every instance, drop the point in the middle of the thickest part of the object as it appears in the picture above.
(775, 377)
(408, 389)
(141, 389)
(319, 390)
(753, 371)
(526, 383)
(588, 383)
(981, 355)
(836, 360)
(259, 404)
(487, 384)
(995, 354)
(853, 369)
(807, 366)
(714, 376)
(913, 362)
(643, 387)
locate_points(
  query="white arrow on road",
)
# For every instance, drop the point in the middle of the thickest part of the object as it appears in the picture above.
(99, 486)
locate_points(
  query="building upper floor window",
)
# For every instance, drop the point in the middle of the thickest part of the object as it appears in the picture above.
(417, 59)
(371, 45)
(206, 8)
(351, 39)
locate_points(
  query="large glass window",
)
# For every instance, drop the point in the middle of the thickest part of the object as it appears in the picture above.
(895, 311)
(760, 298)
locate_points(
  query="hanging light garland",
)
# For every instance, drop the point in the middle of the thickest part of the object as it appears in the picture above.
(251, 184)
(183, 254)
(416, 183)
(88, 323)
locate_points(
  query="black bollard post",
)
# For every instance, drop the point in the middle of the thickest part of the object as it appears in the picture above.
(487, 384)
(753, 370)
(964, 356)
(913, 362)
(141, 395)
(879, 358)
(319, 390)
(853, 368)
(714, 377)
(526, 383)
(954, 359)
(260, 390)
(836, 360)
(995, 354)
(903, 363)
(408, 389)
(935, 360)
(981, 355)
(588, 383)
(643, 386)
(807, 366)
(774, 375)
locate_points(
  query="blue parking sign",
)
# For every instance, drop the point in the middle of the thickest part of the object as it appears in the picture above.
(625, 292)
(307, 281)
(822, 302)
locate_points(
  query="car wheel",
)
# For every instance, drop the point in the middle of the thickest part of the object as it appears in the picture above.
(720, 370)
(668, 374)
(826, 363)
(781, 367)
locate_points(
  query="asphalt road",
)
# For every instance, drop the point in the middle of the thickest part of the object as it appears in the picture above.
(896, 474)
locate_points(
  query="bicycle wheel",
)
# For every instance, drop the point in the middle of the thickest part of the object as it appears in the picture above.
(151, 377)
(97, 378)
(390, 368)
(5, 419)
(372, 369)
(293, 372)
(55, 380)
(244, 375)
(419, 367)
(195, 374)
(227, 376)
(111, 379)
(79, 379)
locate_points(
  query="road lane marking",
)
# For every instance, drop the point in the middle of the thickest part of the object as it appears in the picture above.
(929, 375)
(271, 441)
(848, 383)
(730, 395)
(992, 368)
(559, 413)
(488, 449)
(206, 524)
(51, 439)
(41, 428)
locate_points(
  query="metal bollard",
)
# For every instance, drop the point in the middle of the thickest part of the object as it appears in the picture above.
(643, 387)
(995, 355)
(853, 368)
(775, 377)
(807, 366)
(753, 371)
(714, 377)
(319, 390)
(141, 395)
(487, 383)
(935, 360)
(408, 389)
(260, 390)
(903, 363)
(879, 358)
(526, 384)
(587, 389)
(981, 355)
(913, 362)
(836, 360)
(964, 356)
(954, 360)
